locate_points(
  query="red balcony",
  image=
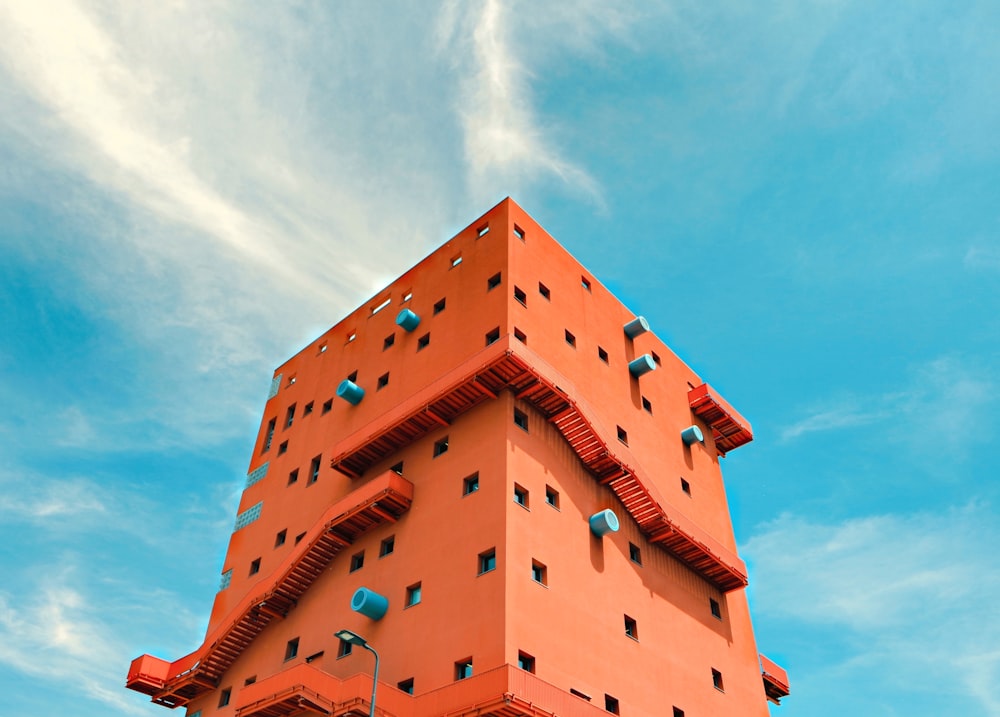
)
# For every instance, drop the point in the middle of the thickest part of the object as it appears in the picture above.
(775, 680)
(729, 429)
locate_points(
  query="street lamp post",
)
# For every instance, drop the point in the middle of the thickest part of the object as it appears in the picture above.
(355, 639)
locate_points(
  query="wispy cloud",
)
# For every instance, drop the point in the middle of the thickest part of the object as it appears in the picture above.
(985, 258)
(904, 590)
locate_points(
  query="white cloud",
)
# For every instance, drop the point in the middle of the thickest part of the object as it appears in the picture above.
(909, 593)
(985, 258)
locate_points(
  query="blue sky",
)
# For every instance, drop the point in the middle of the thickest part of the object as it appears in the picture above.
(801, 197)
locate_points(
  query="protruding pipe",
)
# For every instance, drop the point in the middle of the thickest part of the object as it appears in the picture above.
(603, 522)
(408, 320)
(369, 603)
(692, 434)
(642, 365)
(636, 326)
(350, 392)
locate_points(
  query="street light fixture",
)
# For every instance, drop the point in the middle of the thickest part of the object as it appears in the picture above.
(354, 638)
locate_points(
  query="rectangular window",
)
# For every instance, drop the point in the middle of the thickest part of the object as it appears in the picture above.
(352, 377)
(388, 341)
(292, 648)
(470, 484)
(299, 537)
(571, 339)
(283, 448)
(622, 435)
(407, 296)
(521, 419)
(379, 307)
(585, 283)
(685, 486)
(224, 696)
(493, 282)
(406, 685)
(327, 406)
(520, 297)
(717, 680)
(678, 712)
(602, 354)
(250, 680)
(269, 435)
(383, 381)
(483, 230)
(520, 495)
(493, 336)
(439, 306)
(344, 649)
(582, 695)
(293, 477)
(280, 538)
(656, 358)
(307, 409)
(290, 416)
(715, 607)
(646, 405)
(397, 469)
(423, 342)
(520, 335)
(440, 446)
(487, 561)
(314, 469)
(351, 336)
(387, 546)
(357, 561)
(634, 553)
(463, 669)
(539, 573)
(413, 594)
(544, 291)
(611, 705)
(254, 566)
(519, 233)
(525, 661)
(456, 260)
(322, 348)
(552, 496)
(631, 628)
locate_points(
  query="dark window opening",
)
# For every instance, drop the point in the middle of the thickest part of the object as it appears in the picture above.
(225, 696)
(250, 680)
(357, 561)
(520, 296)
(634, 553)
(525, 661)
(383, 381)
(715, 607)
(439, 306)
(584, 695)
(423, 342)
(487, 561)
(315, 656)
(611, 705)
(678, 712)
(493, 336)
(299, 537)
(440, 446)
(521, 419)
(327, 406)
(552, 496)
(631, 628)
(539, 573)
(544, 291)
(685, 486)
(352, 376)
(406, 685)
(493, 282)
(717, 680)
(656, 358)
(314, 469)
(292, 648)
(646, 405)
(470, 484)
(293, 477)
(520, 335)
(280, 538)
(571, 339)
(307, 409)
(463, 669)
(520, 495)
(413, 594)
(622, 435)
(269, 435)
(387, 546)
(344, 649)
(388, 341)
(283, 448)
(290, 416)
(585, 283)
(602, 354)
(397, 469)
(255, 566)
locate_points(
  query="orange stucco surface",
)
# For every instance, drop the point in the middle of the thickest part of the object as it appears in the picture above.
(460, 375)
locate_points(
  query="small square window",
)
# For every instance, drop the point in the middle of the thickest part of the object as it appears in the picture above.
(456, 260)
(519, 233)
(611, 705)
(383, 381)
(678, 712)
(292, 380)
(585, 283)
(293, 477)
(407, 296)
(406, 685)
(521, 419)
(571, 339)
(357, 561)
(283, 448)
(539, 573)
(646, 405)
(631, 628)
(413, 594)
(520, 335)
(602, 354)
(254, 566)
(292, 648)
(290, 416)
(352, 376)
(552, 496)
(483, 230)
(351, 336)
(387, 546)
(525, 661)
(439, 306)
(493, 282)
(470, 484)
(344, 649)
(250, 680)
(327, 406)
(520, 495)
(544, 291)
(463, 669)
(388, 341)
(299, 537)
(487, 561)
(314, 469)
(307, 409)
(280, 538)
(715, 607)
(634, 553)
(322, 348)
(493, 336)
(520, 297)
(423, 342)
(685, 486)
(656, 358)
(622, 435)
(397, 469)
(224, 696)
(440, 446)
(717, 680)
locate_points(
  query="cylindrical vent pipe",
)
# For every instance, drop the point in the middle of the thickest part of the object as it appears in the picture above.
(642, 365)
(692, 434)
(369, 603)
(636, 326)
(603, 522)
(350, 392)
(408, 320)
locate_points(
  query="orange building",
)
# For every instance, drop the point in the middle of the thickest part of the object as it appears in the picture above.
(500, 478)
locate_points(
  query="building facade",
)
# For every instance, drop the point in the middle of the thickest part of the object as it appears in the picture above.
(497, 475)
